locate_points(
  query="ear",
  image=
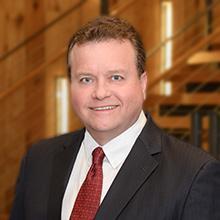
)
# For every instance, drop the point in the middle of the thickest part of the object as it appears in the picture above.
(143, 81)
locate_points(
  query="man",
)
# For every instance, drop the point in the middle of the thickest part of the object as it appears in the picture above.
(143, 173)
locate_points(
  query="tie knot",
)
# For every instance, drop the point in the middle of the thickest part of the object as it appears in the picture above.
(98, 156)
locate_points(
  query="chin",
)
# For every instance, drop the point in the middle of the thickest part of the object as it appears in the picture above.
(103, 128)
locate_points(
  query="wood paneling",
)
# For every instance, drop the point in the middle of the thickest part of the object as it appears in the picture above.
(148, 24)
(26, 113)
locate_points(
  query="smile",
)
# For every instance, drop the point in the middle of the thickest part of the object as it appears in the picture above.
(103, 108)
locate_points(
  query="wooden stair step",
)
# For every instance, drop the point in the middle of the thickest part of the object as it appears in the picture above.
(202, 98)
(202, 73)
(177, 122)
(181, 61)
(203, 57)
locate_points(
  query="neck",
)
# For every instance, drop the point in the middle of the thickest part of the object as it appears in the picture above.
(101, 137)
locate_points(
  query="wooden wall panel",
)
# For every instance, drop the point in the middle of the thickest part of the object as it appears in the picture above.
(12, 68)
(11, 34)
(12, 144)
(184, 13)
(216, 25)
(57, 39)
(28, 114)
(146, 18)
(12, 19)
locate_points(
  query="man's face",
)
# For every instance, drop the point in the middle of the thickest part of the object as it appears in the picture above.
(107, 93)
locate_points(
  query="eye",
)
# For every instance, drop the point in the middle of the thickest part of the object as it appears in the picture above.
(86, 80)
(117, 77)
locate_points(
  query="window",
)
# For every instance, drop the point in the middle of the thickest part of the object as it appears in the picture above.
(62, 105)
(166, 54)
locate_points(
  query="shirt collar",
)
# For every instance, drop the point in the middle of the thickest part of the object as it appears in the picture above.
(119, 147)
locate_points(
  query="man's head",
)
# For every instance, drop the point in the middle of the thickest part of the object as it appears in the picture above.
(108, 83)
(106, 28)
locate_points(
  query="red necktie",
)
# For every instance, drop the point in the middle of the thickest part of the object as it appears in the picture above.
(88, 198)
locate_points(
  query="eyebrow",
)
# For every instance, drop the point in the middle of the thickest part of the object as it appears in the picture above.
(83, 74)
(116, 71)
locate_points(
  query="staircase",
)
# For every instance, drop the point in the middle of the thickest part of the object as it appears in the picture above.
(195, 76)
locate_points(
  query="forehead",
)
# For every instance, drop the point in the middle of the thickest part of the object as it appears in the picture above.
(108, 50)
(110, 44)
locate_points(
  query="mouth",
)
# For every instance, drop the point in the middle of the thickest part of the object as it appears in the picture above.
(104, 108)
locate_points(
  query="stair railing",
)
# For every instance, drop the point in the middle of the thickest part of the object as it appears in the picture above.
(42, 30)
(128, 4)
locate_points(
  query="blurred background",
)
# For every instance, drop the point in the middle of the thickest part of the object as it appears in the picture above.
(182, 39)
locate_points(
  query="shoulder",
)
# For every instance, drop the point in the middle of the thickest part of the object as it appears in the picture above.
(174, 153)
(54, 144)
(193, 166)
(184, 153)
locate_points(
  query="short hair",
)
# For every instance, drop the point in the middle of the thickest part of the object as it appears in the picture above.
(106, 28)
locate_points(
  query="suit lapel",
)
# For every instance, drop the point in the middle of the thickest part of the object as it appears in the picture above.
(136, 169)
(61, 169)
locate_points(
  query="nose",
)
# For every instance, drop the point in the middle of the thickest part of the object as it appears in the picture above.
(101, 91)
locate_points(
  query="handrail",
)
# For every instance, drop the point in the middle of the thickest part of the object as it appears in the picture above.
(122, 8)
(66, 13)
(183, 58)
(37, 33)
(114, 12)
(161, 99)
(32, 74)
(63, 51)
(182, 29)
(177, 33)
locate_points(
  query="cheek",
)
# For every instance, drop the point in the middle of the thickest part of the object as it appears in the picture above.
(77, 99)
(133, 94)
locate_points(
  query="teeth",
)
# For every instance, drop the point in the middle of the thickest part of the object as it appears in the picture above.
(104, 108)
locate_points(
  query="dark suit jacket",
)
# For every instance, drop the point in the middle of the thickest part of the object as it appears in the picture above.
(161, 179)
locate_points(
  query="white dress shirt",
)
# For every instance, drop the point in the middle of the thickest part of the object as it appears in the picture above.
(115, 151)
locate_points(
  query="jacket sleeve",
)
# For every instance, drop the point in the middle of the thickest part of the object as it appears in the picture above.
(203, 200)
(17, 211)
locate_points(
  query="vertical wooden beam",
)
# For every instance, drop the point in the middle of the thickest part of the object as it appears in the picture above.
(196, 126)
(208, 21)
(209, 17)
(214, 134)
(104, 7)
